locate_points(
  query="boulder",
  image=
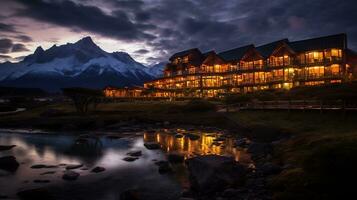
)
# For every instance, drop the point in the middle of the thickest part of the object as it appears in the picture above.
(134, 153)
(9, 163)
(164, 167)
(130, 159)
(41, 181)
(270, 169)
(130, 194)
(37, 193)
(41, 166)
(260, 148)
(70, 175)
(98, 169)
(212, 173)
(6, 147)
(49, 172)
(175, 157)
(152, 145)
(243, 142)
(75, 166)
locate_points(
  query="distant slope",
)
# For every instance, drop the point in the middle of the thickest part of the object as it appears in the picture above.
(81, 64)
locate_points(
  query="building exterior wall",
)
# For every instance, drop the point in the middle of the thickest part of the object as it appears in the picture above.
(283, 68)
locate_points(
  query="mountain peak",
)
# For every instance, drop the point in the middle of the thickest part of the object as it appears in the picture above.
(86, 40)
(39, 50)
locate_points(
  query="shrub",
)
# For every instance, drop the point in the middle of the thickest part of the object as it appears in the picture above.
(199, 106)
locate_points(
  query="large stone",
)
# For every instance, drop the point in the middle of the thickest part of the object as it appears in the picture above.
(70, 175)
(164, 167)
(38, 193)
(6, 147)
(76, 166)
(98, 169)
(270, 169)
(260, 148)
(175, 157)
(212, 173)
(152, 145)
(130, 159)
(134, 153)
(9, 163)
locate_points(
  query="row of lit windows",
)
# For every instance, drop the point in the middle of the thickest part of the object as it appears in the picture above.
(305, 58)
(287, 74)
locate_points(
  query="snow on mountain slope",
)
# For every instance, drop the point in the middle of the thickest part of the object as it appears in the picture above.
(77, 64)
(157, 70)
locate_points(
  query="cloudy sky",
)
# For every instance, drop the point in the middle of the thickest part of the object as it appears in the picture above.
(151, 30)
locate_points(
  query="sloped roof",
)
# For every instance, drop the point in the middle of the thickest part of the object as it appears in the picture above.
(326, 42)
(267, 49)
(184, 53)
(212, 58)
(235, 54)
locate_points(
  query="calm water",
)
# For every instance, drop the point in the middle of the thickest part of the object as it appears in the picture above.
(120, 175)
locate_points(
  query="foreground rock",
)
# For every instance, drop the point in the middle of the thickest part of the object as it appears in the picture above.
(175, 158)
(164, 167)
(69, 167)
(41, 166)
(134, 153)
(9, 163)
(70, 175)
(38, 193)
(98, 169)
(152, 145)
(211, 173)
(130, 159)
(6, 147)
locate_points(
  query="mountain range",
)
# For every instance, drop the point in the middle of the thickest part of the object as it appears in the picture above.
(80, 64)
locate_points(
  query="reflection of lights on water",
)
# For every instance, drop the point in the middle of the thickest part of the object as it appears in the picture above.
(205, 145)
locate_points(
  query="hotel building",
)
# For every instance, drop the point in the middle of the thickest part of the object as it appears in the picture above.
(281, 64)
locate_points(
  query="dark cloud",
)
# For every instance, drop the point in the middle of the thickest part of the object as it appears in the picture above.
(19, 48)
(24, 38)
(168, 26)
(5, 57)
(7, 27)
(84, 17)
(5, 45)
(142, 51)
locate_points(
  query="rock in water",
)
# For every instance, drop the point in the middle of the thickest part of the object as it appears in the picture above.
(74, 166)
(98, 169)
(9, 163)
(130, 159)
(212, 173)
(152, 145)
(134, 153)
(164, 167)
(70, 175)
(38, 193)
(175, 158)
(6, 147)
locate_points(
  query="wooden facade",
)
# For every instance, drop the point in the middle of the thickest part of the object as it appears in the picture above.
(278, 65)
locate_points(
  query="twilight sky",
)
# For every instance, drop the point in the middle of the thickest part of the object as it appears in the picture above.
(151, 30)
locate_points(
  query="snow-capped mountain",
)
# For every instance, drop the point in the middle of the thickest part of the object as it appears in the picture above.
(80, 64)
(157, 70)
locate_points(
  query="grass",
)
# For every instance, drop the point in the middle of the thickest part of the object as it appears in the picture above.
(322, 151)
(63, 115)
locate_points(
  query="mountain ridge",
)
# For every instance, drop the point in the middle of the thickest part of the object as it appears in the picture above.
(82, 63)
